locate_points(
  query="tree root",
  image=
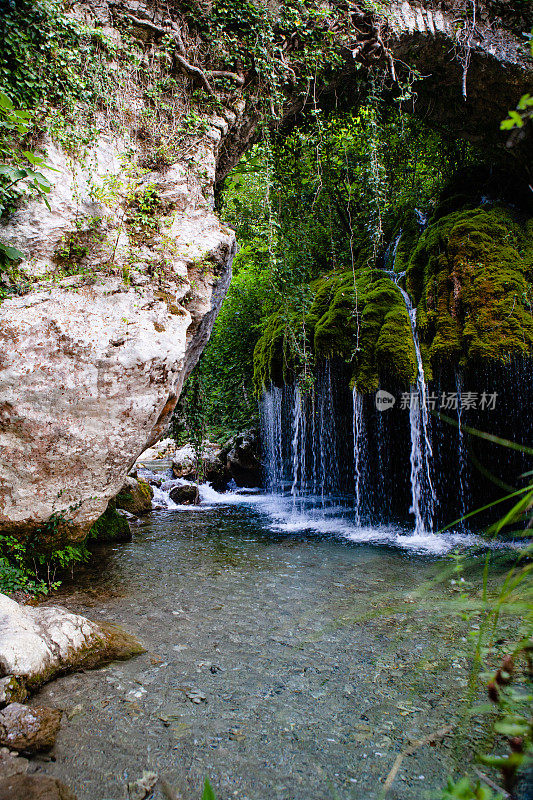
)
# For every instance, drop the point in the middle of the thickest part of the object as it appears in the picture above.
(180, 55)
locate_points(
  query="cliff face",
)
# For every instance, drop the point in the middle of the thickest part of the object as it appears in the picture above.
(92, 363)
(123, 276)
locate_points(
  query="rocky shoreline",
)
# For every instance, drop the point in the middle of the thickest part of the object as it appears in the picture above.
(36, 645)
(39, 643)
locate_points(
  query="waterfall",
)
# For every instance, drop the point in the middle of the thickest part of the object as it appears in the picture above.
(359, 453)
(422, 490)
(314, 450)
(298, 443)
(461, 448)
(272, 426)
(329, 462)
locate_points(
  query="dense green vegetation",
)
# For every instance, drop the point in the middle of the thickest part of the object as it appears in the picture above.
(316, 210)
(316, 213)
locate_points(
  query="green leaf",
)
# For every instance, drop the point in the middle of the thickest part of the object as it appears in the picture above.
(11, 252)
(208, 793)
(5, 101)
(525, 101)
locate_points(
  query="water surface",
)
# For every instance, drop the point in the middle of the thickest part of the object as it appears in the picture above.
(284, 664)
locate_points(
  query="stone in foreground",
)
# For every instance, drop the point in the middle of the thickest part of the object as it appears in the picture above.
(34, 787)
(29, 730)
(38, 643)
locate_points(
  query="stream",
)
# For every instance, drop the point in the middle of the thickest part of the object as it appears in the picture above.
(282, 663)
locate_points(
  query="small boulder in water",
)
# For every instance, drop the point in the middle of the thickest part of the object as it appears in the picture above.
(186, 495)
(135, 497)
(111, 526)
(38, 643)
(29, 729)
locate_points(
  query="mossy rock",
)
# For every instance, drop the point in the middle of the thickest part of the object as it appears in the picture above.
(115, 644)
(135, 497)
(273, 359)
(111, 527)
(363, 321)
(470, 275)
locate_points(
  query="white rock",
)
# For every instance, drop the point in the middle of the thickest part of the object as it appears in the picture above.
(37, 643)
(90, 374)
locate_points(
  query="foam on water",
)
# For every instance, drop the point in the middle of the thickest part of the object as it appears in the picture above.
(335, 519)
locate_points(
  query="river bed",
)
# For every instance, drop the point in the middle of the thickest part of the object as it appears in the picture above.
(281, 664)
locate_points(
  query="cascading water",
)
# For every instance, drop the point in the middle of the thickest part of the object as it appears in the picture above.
(272, 426)
(422, 489)
(340, 462)
(359, 453)
(461, 447)
(298, 444)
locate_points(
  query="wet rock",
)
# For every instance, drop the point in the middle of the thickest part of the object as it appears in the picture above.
(28, 729)
(11, 691)
(111, 526)
(135, 497)
(241, 456)
(238, 460)
(187, 495)
(38, 643)
(216, 472)
(11, 763)
(34, 787)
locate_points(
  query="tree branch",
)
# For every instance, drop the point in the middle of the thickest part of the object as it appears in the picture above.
(233, 76)
(195, 72)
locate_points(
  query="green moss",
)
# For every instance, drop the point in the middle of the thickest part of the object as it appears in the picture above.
(135, 497)
(470, 275)
(273, 357)
(364, 322)
(111, 526)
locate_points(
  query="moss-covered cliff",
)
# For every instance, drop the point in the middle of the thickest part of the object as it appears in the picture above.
(469, 275)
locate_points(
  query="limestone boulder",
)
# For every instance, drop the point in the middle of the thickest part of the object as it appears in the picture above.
(184, 460)
(92, 363)
(166, 448)
(38, 643)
